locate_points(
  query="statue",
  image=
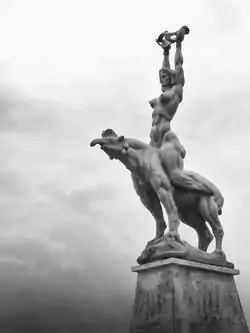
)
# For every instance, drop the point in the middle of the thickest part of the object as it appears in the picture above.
(159, 177)
(165, 107)
(148, 170)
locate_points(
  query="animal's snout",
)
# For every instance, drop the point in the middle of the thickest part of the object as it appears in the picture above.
(96, 142)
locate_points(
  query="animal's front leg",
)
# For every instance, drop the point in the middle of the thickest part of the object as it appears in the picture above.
(165, 195)
(151, 201)
(167, 200)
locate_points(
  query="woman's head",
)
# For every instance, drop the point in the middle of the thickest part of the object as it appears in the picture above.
(167, 78)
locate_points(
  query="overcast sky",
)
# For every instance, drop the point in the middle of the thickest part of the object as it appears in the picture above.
(71, 224)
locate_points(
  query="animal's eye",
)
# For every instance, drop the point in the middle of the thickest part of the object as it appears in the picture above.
(121, 138)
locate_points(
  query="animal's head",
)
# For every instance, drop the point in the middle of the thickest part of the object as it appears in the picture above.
(113, 145)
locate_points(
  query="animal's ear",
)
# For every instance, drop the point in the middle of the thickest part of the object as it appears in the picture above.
(121, 138)
(108, 132)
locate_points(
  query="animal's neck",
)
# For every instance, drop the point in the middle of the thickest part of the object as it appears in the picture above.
(131, 159)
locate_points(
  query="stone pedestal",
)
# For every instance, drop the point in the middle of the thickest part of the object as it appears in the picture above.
(180, 296)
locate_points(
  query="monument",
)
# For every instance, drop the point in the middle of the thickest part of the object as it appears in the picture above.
(180, 288)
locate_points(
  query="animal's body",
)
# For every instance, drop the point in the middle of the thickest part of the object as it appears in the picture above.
(151, 182)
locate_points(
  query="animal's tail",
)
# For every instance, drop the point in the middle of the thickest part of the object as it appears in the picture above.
(218, 198)
(219, 201)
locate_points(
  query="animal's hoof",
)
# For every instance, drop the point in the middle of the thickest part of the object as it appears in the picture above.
(155, 240)
(218, 254)
(145, 256)
(173, 236)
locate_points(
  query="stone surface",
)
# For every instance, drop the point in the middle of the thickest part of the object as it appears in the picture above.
(152, 184)
(158, 172)
(178, 296)
(168, 248)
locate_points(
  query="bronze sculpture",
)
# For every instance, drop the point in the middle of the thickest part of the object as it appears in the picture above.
(158, 174)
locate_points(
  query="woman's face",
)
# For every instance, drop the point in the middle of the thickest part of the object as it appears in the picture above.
(165, 79)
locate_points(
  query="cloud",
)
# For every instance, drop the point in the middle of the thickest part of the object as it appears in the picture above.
(59, 302)
(71, 222)
(226, 16)
(11, 184)
(26, 116)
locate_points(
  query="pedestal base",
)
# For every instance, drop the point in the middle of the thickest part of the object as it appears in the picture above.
(166, 248)
(180, 296)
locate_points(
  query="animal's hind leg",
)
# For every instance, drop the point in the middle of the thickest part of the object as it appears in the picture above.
(209, 211)
(204, 235)
(198, 223)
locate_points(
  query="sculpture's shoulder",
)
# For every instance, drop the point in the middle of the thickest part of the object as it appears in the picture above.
(172, 95)
(170, 136)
